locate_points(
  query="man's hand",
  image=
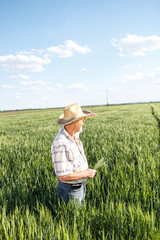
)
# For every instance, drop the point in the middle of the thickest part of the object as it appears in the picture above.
(90, 173)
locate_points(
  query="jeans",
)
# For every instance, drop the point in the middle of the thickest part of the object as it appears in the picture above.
(67, 192)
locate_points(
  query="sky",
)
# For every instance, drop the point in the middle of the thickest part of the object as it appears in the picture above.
(57, 52)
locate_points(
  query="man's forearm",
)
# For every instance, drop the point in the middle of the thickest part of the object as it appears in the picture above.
(88, 173)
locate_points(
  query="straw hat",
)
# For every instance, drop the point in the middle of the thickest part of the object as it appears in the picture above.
(72, 113)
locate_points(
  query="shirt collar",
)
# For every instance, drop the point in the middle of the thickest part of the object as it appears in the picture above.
(67, 135)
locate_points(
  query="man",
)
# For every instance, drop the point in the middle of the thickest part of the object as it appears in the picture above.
(70, 163)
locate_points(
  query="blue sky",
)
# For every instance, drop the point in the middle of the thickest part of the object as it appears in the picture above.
(54, 53)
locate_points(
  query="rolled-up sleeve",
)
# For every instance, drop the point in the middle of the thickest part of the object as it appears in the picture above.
(62, 159)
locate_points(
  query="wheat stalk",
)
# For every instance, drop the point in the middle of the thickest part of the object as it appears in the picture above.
(100, 163)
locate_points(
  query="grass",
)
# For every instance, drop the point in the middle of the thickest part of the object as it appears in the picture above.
(122, 201)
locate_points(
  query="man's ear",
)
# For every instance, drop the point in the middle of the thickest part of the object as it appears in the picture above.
(75, 123)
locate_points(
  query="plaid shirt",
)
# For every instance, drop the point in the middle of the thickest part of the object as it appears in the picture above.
(68, 155)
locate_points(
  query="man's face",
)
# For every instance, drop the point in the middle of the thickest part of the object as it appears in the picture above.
(79, 124)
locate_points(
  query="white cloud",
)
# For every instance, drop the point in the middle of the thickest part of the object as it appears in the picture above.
(140, 76)
(136, 76)
(32, 52)
(32, 88)
(66, 50)
(25, 83)
(128, 66)
(7, 86)
(77, 86)
(136, 45)
(59, 85)
(36, 90)
(37, 82)
(24, 52)
(156, 81)
(35, 93)
(20, 76)
(18, 95)
(121, 54)
(49, 88)
(151, 74)
(23, 63)
(83, 69)
(29, 61)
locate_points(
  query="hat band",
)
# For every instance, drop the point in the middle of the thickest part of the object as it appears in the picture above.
(74, 117)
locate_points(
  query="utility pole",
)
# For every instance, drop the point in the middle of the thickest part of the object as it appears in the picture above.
(107, 97)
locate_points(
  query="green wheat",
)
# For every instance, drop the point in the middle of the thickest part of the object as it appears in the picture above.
(100, 163)
(122, 200)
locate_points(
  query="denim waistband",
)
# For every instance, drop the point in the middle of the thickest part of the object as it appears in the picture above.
(72, 184)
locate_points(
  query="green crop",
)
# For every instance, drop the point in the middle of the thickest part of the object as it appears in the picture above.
(122, 200)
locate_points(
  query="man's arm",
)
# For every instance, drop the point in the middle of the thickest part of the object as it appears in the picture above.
(88, 173)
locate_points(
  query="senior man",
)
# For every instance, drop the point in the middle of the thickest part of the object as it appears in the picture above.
(70, 163)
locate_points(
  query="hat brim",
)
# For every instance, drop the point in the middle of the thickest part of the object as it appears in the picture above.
(62, 121)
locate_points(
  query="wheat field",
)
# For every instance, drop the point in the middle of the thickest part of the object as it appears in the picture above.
(122, 201)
